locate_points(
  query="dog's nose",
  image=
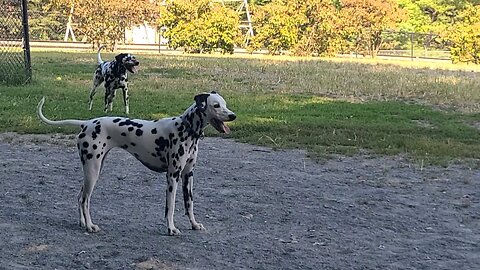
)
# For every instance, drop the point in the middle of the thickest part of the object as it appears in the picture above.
(231, 117)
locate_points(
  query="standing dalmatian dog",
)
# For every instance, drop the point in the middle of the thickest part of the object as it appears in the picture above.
(167, 145)
(114, 74)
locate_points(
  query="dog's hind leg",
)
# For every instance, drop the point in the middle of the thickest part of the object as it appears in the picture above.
(97, 80)
(92, 93)
(109, 96)
(187, 187)
(172, 182)
(188, 200)
(91, 170)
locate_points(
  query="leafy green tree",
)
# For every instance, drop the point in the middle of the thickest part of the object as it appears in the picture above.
(364, 21)
(324, 27)
(10, 20)
(45, 22)
(200, 26)
(320, 34)
(277, 26)
(464, 36)
(432, 16)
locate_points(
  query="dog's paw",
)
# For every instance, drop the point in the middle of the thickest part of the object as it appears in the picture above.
(198, 227)
(93, 228)
(174, 231)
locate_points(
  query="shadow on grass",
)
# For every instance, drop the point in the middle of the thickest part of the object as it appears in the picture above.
(325, 127)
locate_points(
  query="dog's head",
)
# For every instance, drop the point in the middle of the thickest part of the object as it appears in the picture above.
(215, 109)
(128, 61)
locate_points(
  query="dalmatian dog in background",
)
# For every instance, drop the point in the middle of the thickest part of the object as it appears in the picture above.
(167, 145)
(114, 74)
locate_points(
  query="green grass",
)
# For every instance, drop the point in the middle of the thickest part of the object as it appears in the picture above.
(325, 106)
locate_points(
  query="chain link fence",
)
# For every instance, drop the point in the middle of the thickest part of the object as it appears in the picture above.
(15, 66)
(414, 45)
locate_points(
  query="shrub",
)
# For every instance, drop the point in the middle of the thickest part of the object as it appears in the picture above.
(277, 26)
(464, 37)
(200, 26)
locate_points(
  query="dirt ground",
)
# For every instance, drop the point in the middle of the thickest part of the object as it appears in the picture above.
(263, 209)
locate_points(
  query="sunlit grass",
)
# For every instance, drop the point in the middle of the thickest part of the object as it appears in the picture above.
(426, 110)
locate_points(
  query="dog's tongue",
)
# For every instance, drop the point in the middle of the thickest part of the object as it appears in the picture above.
(226, 129)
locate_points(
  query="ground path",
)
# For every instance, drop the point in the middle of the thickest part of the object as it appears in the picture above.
(263, 209)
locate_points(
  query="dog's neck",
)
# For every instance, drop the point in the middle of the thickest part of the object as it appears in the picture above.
(118, 68)
(195, 121)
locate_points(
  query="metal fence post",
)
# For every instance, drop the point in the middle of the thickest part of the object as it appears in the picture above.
(26, 41)
(411, 46)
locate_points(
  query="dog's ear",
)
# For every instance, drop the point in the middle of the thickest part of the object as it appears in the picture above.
(119, 57)
(201, 101)
(214, 92)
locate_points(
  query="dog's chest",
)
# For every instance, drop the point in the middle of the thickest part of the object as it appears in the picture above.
(114, 78)
(160, 159)
(120, 82)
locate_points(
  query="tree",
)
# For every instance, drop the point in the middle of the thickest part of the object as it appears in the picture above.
(324, 27)
(364, 21)
(259, 2)
(465, 36)
(321, 34)
(200, 26)
(277, 25)
(431, 16)
(105, 21)
(45, 23)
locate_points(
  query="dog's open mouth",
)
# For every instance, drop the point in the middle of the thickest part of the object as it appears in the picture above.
(132, 68)
(220, 126)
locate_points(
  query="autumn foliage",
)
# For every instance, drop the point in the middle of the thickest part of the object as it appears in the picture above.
(324, 27)
(364, 21)
(105, 21)
(465, 36)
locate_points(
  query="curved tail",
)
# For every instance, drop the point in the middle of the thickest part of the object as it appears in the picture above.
(99, 58)
(50, 122)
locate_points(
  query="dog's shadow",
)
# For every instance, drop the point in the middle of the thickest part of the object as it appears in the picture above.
(71, 225)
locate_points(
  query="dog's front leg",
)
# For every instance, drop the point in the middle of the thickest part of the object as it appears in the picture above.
(187, 188)
(172, 182)
(125, 99)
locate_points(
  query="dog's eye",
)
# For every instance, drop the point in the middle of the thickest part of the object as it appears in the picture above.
(216, 105)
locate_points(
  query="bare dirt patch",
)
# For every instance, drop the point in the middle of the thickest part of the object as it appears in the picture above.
(263, 209)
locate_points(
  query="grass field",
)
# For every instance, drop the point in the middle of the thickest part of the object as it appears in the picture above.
(426, 110)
